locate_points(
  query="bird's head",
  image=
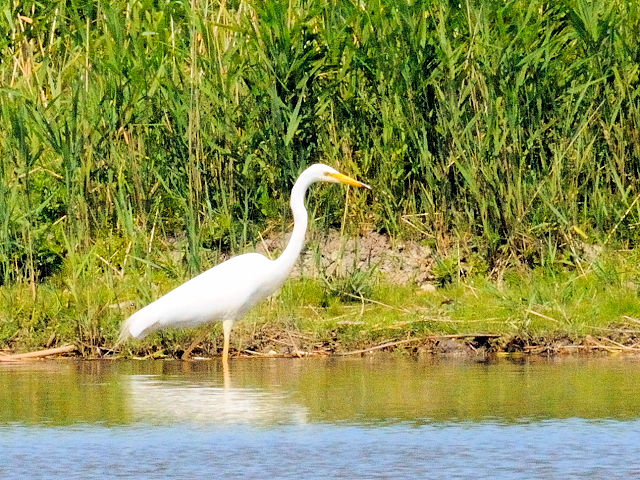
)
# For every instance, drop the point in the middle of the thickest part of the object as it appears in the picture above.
(325, 173)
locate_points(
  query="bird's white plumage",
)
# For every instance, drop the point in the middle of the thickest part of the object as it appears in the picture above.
(223, 292)
(227, 291)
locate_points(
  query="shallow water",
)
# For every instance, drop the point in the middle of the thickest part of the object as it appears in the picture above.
(377, 417)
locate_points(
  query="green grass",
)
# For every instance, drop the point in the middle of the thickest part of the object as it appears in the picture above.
(532, 306)
(510, 124)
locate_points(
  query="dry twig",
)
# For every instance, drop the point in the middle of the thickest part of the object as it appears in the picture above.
(38, 354)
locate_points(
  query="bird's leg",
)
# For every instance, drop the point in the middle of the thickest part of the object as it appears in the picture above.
(199, 339)
(226, 329)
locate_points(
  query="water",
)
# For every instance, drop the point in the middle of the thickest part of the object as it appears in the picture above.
(378, 417)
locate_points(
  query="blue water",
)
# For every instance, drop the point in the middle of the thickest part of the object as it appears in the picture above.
(272, 420)
(571, 448)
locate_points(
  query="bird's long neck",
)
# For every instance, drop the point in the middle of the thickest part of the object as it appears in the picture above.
(288, 258)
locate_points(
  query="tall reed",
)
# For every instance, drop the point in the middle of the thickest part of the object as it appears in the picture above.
(131, 125)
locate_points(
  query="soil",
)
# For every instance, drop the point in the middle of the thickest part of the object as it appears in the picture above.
(399, 262)
(271, 341)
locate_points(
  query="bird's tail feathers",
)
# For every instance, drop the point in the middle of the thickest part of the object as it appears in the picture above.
(138, 325)
(125, 332)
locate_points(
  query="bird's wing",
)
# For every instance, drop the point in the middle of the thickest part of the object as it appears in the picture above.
(225, 291)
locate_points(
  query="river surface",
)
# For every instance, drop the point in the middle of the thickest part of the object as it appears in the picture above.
(378, 417)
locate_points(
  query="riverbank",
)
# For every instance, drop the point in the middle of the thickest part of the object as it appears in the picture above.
(352, 297)
(144, 144)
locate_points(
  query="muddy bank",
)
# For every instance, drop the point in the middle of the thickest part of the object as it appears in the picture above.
(292, 344)
(271, 342)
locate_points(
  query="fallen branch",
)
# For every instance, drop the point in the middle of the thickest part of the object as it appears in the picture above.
(621, 346)
(617, 330)
(295, 345)
(375, 302)
(541, 315)
(38, 354)
(627, 317)
(399, 325)
(418, 339)
(253, 352)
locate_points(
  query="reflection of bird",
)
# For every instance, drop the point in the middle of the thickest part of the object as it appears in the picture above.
(227, 291)
(197, 400)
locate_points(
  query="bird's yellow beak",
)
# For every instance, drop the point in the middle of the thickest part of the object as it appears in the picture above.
(348, 180)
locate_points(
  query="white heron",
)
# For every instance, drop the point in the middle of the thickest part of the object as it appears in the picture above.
(228, 290)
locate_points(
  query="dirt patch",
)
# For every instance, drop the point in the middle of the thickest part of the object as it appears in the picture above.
(398, 262)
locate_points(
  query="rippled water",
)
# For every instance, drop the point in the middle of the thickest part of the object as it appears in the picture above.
(377, 417)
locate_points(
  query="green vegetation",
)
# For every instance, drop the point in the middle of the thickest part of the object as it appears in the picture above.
(535, 310)
(142, 140)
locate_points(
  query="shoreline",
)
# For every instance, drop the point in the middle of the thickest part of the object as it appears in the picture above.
(472, 346)
(413, 302)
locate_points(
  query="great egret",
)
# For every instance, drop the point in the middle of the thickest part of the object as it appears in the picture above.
(227, 291)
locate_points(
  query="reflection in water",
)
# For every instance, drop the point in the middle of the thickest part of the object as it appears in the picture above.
(365, 391)
(60, 393)
(376, 417)
(380, 389)
(160, 401)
